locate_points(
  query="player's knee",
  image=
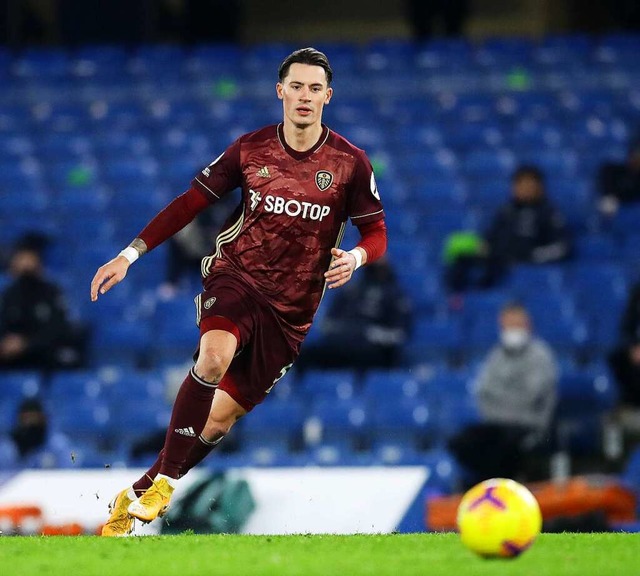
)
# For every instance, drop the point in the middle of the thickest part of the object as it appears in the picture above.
(211, 367)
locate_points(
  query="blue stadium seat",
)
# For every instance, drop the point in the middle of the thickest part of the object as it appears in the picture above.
(42, 63)
(18, 384)
(489, 195)
(526, 279)
(409, 421)
(562, 49)
(85, 421)
(625, 221)
(125, 342)
(595, 247)
(390, 453)
(446, 384)
(483, 305)
(554, 163)
(486, 163)
(434, 339)
(440, 195)
(152, 60)
(498, 53)
(260, 57)
(262, 456)
(215, 60)
(328, 384)
(9, 458)
(418, 164)
(584, 391)
(139, 386)
(277, 424)
(342, 422)
(631, 472)
(398, 383)
(584, 397)
(75, 385)
(174, 329)
(8, 412)
(132, 421)
(423, 287)
(454, 413)
(481, 335)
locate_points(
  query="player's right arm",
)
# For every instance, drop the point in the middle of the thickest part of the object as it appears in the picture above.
(165, 224)
(220, 177)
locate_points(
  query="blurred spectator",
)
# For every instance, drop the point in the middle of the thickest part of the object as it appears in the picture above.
(527, 228)
(366, 325)
(187, 247)
(619, 183)
(516, 398)
(624, 360)
(35, 331)
(430, 17)
(36, 445)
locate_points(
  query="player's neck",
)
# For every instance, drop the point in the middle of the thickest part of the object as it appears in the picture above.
(303, 138)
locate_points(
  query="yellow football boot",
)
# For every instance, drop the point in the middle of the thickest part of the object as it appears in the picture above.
(120, 522)
(153, 503)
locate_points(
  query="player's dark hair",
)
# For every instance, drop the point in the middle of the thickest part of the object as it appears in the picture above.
(528, 170)
(309, 56)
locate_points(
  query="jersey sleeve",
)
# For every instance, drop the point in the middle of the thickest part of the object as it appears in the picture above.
(223, 175)
(363, 203)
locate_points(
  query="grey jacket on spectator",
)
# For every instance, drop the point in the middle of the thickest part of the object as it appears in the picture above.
(519, 386)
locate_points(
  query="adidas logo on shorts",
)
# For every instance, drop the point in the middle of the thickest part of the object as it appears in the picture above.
(186, 432)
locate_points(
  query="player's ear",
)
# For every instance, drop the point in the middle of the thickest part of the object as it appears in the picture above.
(279, 90)
(328, 96)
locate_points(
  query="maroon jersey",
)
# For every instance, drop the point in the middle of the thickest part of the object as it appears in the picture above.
(294, 209)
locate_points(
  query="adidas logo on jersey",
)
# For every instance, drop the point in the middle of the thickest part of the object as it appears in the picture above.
(264, 172)
(186, 432)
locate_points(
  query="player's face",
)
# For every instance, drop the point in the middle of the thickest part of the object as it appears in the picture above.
(304, 92)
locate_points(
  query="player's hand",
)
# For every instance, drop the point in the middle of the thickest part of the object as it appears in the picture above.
(108, 275)
(341, 269)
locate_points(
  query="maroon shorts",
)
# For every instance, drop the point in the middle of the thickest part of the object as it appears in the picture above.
(264, 354)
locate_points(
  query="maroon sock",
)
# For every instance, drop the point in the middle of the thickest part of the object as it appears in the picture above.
(199, 451)
(190, 412)
(145, 481)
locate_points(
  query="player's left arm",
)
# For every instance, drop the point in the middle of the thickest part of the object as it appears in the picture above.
(372, 245)
(365, 211)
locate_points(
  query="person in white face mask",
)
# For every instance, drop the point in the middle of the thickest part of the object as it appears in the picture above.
(516, 396)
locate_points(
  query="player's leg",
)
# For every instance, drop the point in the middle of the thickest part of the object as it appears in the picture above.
(189, 416)
(224, 315)
(252, 374)
(225, 412)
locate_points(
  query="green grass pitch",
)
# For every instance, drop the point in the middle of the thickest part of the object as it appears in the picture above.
(322, 555)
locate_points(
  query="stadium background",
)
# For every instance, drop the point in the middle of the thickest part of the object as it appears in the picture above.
(95, 139)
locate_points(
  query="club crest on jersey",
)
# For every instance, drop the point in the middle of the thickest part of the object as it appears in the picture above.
(324, 179)
(209, 302)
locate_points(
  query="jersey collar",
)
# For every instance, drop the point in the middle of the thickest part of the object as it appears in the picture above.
(295, 153)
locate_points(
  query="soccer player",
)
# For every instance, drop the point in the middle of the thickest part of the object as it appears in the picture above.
(266, 274)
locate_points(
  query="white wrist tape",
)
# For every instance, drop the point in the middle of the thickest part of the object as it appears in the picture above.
(130, 253)
(358, 256)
